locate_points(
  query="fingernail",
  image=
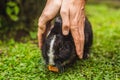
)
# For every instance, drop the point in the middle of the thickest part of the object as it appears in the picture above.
(80, 56)
(65, 32)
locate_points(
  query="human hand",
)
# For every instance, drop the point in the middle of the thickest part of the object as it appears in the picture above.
(50, 11)
(73, 16)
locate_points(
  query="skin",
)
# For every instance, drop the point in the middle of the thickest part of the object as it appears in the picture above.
(73, 16)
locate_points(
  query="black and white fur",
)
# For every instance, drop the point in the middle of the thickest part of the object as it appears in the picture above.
(59, 50)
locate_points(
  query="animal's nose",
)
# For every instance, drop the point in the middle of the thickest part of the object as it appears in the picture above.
(53, 68)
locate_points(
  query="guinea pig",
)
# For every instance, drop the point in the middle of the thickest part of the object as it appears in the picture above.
(59, 50)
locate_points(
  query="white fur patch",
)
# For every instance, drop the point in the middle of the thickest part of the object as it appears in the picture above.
(50, 30)
(51, 51)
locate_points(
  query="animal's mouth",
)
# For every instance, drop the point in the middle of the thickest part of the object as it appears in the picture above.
(53, 68)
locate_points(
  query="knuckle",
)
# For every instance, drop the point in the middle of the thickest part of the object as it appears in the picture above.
(63, 12)
(74, 28)
(41, 29)
(39, 24)
(65, 25)
(77, 42)
(82, 39)
(74, 22)
(46, 16)
(57, 2)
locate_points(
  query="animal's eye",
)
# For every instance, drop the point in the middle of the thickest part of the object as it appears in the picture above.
(57, 43)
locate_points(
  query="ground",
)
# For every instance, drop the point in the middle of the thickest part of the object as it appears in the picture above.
(23, 61)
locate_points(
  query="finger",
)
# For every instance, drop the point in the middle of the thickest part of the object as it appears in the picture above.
(64, 12)
(39, 34)
(51, 9)
(77, 25)
(39, 39)
(81, 44)
(81, 28)
(78, 40)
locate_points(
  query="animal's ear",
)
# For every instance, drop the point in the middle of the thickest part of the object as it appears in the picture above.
(58, 19)
(57, 26)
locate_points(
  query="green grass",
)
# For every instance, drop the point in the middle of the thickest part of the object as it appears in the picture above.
(23, 61)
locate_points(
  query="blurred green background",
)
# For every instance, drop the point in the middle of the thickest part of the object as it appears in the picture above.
(18, 18)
